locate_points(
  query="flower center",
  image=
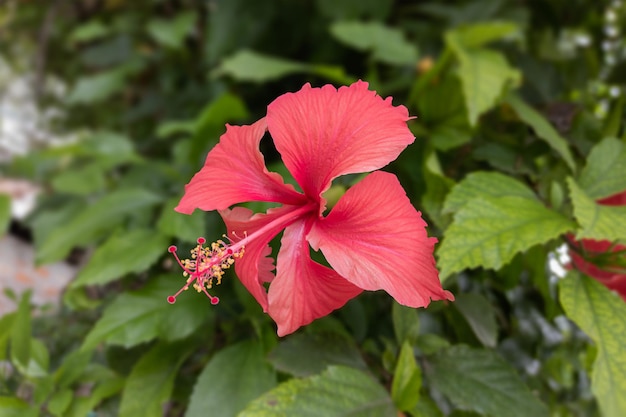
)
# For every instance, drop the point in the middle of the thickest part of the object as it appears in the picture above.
(207, 264)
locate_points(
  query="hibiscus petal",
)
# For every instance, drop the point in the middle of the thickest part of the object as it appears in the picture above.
(322, 133)
(376, 239)
(234, 172)
(303, 290)
(256, 265)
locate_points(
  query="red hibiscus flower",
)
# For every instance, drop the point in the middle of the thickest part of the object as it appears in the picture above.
(600, 259)
(373, 237)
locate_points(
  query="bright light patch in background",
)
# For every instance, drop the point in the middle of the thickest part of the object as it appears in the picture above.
(557, 261)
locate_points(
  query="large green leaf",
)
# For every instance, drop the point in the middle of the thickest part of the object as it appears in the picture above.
(488, 231)
(480, 184)
(597, 221)
(407, 379)
(140, 316)
(234, 377)
(602, 315)
(102, 215)
(320, 349)
(479, 380)
(151, 380)
(605, 172)
(121, 254)
(386, 44)
(337, 392)
(543, 128)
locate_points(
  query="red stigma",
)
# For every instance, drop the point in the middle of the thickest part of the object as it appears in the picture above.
(171, 249)
(215, 300)
(201, 241)
(171, 299)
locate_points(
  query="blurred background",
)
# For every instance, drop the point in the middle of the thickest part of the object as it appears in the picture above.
(108, 107)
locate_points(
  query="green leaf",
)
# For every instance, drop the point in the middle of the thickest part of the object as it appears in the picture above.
(251, 66)
(60, 401)
(488, 231)
(483, 74)
(151, 380)
(407, 379)
(613, 122)
(480, 315)
(21, 333)
(405, 323)
(39, 361)
(479, 380)
(101, 215)
(71, 368)
(320, 349)
(108, 143)
(598, 222)
(605, 172)
(448, 136)
(479, 184)
(95, 88)
(234, 377)
(171, 33)
(210, 123)
(602, 315)
(173, 127)
(480, 34)
(80, 181)
(247, 65)
(543, 128)
(6, 330)
(104, 388)
(5, 213)
(437, 187)
(181, 226)
(122, 254)
(89, 31)
(16, 407)
(386, 44)
(426, 407)
(337, 392)
(140, 316)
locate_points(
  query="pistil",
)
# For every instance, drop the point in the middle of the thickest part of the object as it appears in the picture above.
(207, 264)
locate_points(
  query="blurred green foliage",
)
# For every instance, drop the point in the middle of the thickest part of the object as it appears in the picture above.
(520, 127)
